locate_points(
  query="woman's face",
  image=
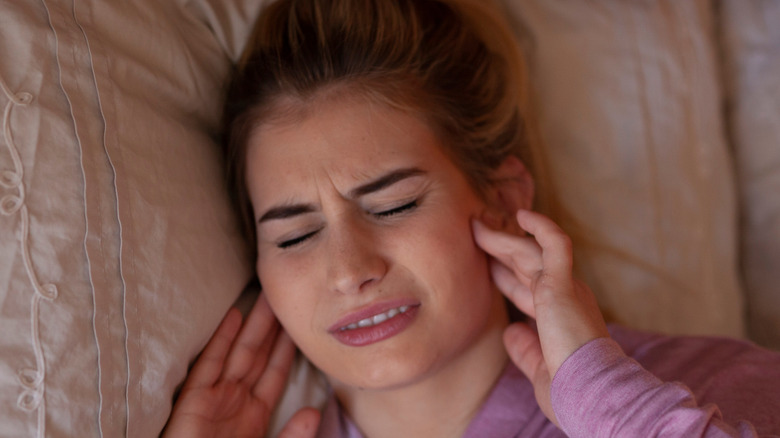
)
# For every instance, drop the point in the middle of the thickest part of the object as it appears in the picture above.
(365, 250)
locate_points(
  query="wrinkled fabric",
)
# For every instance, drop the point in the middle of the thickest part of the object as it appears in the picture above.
(751, 46)
(660, 386)
(629, 104)
(119, 250)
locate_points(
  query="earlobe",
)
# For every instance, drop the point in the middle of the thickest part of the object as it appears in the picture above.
(512, 187)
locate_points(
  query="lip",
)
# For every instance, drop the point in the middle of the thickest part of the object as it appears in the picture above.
(368, 335)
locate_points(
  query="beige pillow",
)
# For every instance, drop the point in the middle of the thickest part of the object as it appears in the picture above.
(751, 37)
(629, 101)
(119, 251)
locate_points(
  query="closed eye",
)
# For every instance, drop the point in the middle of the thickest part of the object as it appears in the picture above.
(295, 241)
(289, 243)
(397, 210)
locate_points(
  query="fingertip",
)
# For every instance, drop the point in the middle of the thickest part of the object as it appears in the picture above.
(512, 333)
(477, 225)
(312, 416)
(523, 216)
(484, 231)
(520, 341)
(303, 423)
(231, 322)
(538, 221)
(233, 312)
(479, 230)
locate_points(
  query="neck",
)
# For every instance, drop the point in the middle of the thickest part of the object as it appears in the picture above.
(440, 404)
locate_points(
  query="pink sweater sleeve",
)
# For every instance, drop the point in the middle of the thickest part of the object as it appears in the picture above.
(601, 392)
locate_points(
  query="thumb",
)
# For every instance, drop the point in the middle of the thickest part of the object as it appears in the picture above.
(524, 348)
(303, 424)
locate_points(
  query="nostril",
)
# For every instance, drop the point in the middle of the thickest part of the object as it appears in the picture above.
(357, 274)
(354, 261)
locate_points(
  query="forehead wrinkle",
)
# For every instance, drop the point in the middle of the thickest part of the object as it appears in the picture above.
(324, 167)
(326, 186)
(340, 178)
(337, 183)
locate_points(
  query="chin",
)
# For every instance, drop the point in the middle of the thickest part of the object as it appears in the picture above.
(384, 373)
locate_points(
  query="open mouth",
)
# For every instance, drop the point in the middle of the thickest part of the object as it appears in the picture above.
(376, 319)
(376, 324)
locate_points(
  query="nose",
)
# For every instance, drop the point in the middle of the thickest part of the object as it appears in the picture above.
(355, 261)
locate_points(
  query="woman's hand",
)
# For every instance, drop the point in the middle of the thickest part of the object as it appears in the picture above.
(535, 273)
(236, 383)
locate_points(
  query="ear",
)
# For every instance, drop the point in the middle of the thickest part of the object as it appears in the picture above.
(512, 187)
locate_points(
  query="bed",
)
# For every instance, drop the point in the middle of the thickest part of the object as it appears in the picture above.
(120, 252)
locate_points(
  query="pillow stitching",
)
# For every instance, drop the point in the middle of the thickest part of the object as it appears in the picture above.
(33, 380)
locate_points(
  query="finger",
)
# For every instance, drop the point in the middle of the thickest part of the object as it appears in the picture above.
(524, 348)
(521, 254)
(262, 357)
(302, 425)
(259, 323)
(209, 365)
(271, 384)
(517, 291)
(555, 243)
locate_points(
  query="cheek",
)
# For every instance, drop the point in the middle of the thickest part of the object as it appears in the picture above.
(449, 251)
(272, 275)
(283, 294)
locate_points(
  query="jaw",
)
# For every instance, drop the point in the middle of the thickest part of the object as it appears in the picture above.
(441, 397)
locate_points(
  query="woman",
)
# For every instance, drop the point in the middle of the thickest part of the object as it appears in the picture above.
(379, 154)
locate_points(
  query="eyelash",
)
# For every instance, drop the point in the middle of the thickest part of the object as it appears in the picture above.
(397, 210)
(296, 241)
(382, 214)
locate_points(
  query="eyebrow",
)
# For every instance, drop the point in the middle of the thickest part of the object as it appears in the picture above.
(286, 211)
(384, 181)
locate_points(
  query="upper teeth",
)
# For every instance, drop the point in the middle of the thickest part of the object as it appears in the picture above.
(376, 319)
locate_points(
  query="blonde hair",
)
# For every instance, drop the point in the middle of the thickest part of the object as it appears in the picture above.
(455, 63)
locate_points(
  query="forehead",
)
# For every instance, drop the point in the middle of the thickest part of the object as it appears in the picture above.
(343, 139)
